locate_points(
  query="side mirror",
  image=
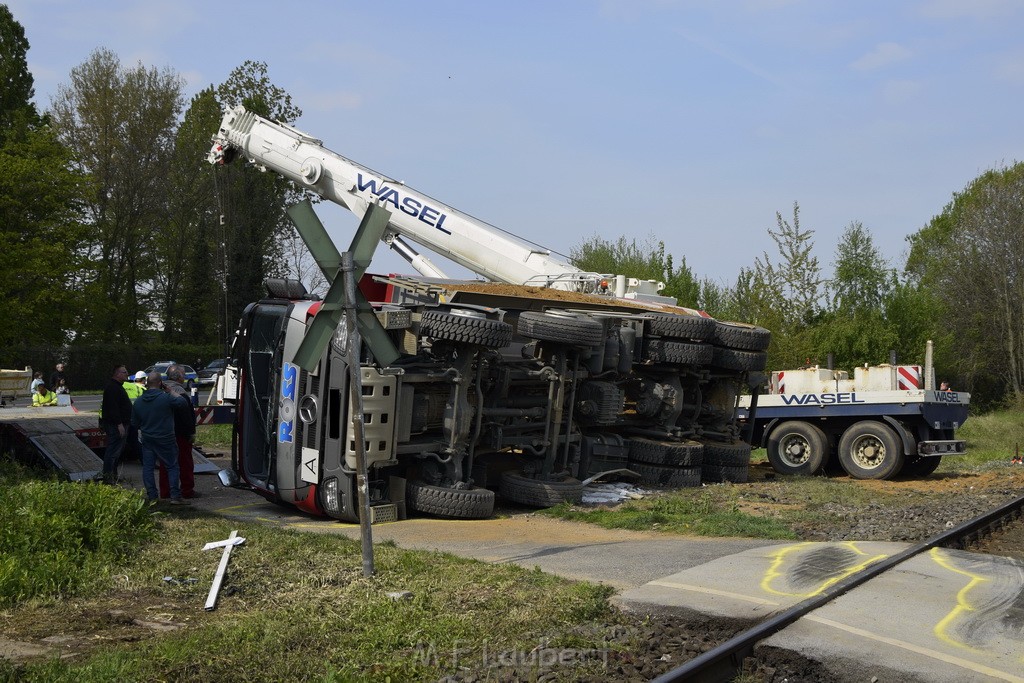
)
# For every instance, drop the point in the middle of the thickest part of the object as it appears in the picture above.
(228, 478)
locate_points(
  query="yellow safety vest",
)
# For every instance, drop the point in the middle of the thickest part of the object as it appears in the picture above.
(47, 399)
(133, 390)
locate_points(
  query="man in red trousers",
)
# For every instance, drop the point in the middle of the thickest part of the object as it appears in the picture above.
(184, 435)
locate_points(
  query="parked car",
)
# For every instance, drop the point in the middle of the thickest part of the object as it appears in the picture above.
(191, 376)
(208, 375)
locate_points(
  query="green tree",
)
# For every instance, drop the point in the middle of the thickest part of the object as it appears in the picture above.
(972, 257)
(784, 297)
(252, 205)
(644, 261)
(119, 124)
(855, 328)
(40, 213)
(188, 287)
(16, 84)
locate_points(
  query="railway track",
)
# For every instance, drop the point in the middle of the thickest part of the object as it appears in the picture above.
(1000, 531)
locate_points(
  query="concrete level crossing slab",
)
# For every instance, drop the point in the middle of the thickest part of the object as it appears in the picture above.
(943, 615)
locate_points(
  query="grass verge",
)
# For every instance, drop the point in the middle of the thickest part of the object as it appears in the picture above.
(699, 512)
(57, 538)
(785, 507)
(293, 606)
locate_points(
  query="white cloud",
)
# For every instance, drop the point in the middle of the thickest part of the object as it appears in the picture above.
(881, 56)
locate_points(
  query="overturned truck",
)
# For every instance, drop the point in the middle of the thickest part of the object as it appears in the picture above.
(524, 384)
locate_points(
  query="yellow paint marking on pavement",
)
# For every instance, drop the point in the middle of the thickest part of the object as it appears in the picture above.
(963, 605)
(714, 591)
(779, 557)
(927, 652)
(238, 507)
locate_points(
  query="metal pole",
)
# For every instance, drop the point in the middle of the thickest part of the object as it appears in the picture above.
(356, 393)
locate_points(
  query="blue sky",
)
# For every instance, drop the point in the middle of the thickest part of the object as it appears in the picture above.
(691, 122)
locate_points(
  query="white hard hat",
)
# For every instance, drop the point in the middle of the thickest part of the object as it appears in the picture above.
(140, 375)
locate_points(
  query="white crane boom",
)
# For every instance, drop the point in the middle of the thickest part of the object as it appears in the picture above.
(473, 244)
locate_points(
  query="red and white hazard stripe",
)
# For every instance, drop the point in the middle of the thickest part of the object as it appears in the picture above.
(908, 377)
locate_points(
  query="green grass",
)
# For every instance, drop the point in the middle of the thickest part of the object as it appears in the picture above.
(693, 511)
(294, 606)
(214, 436)
(990, 438)
(56, 538)
(810, 502)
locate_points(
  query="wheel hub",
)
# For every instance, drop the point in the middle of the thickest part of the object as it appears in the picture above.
(796, 451)
(869, 453)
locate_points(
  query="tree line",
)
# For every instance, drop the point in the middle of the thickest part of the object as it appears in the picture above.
(120, 240)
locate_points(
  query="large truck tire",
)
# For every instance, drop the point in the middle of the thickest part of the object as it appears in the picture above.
(739, 360)
(727, 454)
(741, 336)
(724, 473)
(492, 334)
(680, 326)
(669, 477)
(518, 488)
(871, 450)
(684, 353)
(797, 447)
(921, 465)
(471, 503)
(563, 329)
(674, 454)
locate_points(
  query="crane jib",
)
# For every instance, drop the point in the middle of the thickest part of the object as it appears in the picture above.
(408, 205)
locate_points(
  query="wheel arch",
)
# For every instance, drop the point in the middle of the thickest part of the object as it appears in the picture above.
(907, 439)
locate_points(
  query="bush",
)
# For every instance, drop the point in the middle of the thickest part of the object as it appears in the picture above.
(56, 537)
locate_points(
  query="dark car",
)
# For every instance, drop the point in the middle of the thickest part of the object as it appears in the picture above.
(190, 374)
(208, 375)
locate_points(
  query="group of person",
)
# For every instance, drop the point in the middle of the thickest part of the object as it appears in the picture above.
(155, 414)
(46, 393)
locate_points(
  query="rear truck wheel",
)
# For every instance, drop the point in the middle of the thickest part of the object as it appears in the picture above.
(518, 488)
(668, 477)
(571, 329)
(921, 465)
(721, 473)
(797, 448)
(469, 503)
(675, 454)
(870, 450)
(680, 326)
(684, 353)
(468, 329)
(741, 336)
(734, 359)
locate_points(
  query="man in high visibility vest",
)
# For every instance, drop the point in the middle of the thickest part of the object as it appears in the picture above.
(43, 397)
(134, 389)
(137, 387)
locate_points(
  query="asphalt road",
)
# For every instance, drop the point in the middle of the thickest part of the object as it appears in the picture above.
(91, 402)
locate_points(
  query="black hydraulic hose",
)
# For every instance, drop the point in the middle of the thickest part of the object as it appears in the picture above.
(723, 662)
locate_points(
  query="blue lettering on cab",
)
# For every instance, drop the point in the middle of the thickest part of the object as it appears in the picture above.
(286, 407)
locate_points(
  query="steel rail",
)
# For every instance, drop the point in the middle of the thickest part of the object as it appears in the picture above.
(724, 662)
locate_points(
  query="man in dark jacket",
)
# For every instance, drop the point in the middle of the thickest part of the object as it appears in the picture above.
(184, 435)
(153, 414)
(115, 417)
(56, 376)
